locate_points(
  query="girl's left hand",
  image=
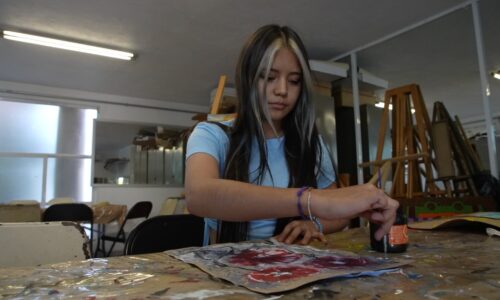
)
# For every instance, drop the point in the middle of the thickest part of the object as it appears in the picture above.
(300, 232)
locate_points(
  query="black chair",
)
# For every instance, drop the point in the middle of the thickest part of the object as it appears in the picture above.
(167, 232)
(141, 209)
(77, 212)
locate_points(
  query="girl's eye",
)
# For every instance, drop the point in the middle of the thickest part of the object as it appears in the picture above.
(271, 77)
(295, 82)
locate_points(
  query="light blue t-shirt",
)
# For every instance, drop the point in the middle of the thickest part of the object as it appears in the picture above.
(211, 139)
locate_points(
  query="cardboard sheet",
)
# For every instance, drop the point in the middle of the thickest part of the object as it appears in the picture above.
(266, 268)
(488, 218)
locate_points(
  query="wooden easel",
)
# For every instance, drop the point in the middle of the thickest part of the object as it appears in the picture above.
(459, 154)
(218, 96)
(216, 106)
(411, 144)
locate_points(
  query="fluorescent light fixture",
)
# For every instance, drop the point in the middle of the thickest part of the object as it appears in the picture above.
(49, 42)
(496, 75)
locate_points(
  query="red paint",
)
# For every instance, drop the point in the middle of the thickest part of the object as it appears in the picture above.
(251, 257)
(337, 262)
(275, 274)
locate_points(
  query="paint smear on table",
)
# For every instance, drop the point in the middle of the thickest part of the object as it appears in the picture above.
(339, 262)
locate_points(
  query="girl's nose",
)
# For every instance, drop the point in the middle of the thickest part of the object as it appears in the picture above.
(281, 88)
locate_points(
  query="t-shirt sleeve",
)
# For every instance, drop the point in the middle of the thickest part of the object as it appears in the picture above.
(326, 174)
(207, 138)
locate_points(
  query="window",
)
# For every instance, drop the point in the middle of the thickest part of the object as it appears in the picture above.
(46, 152)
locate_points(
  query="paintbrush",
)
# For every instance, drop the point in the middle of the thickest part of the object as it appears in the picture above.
(385, 246)
(379, 184)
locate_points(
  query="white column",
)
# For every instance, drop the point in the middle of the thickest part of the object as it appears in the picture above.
(485, 87)
(357, 118)
(44, 182)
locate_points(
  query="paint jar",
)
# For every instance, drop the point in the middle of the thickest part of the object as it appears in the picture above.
(396, 240)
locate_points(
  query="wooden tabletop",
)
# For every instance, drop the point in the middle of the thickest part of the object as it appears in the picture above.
(447, 265)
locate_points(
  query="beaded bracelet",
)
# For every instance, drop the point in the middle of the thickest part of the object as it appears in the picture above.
(314, 219)
(299, 205)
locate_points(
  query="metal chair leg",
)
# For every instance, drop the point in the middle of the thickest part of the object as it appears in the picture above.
(100, 247)
(91, 239)
(121, 233)
(103, 241)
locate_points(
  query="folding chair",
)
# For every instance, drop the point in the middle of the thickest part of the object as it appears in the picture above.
(77, 212)
(165, 232)
(141, 209)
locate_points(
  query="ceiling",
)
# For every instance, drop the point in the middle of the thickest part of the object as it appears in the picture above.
(183, 46)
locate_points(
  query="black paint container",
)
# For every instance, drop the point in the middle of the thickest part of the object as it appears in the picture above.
(396, 240)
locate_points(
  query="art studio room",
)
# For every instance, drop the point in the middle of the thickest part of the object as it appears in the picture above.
(330, 149)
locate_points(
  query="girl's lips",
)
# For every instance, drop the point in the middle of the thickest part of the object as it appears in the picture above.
(277, 106)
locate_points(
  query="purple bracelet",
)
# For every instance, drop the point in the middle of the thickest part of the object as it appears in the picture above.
(299, 205)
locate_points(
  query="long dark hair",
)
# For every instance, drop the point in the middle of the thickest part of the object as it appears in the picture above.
(302, 145)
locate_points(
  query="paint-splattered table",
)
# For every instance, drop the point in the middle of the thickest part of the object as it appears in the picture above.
(447, 265)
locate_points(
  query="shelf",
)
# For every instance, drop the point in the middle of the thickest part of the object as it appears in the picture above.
(112, 161)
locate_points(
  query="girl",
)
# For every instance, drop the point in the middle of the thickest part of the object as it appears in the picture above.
(257, 174)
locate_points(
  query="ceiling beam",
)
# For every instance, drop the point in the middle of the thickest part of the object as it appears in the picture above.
(405, 29)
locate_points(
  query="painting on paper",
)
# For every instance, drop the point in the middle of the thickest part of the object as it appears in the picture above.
(270, 268)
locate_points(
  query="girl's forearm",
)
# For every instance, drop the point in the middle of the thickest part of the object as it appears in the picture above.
(330, 226)
(231, 200)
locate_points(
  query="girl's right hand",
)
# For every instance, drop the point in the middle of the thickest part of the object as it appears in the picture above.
(300, 231)
(362, 200)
